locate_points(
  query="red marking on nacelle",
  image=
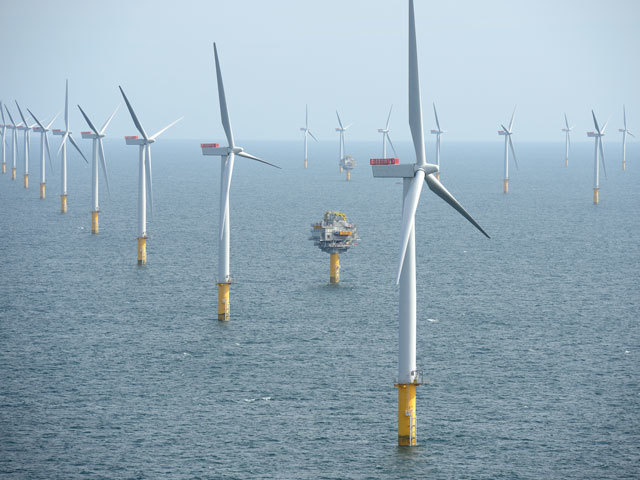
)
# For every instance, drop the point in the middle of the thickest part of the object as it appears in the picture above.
(86, 133)
(209, 145)
(131, 137)
(384, 161)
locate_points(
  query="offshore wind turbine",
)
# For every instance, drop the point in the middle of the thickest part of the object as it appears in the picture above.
(227, 157)
(437, 132)
(3, 133)
(66, 135)
(96, 137)
(598, 134)
(27, 136)
(385, 136)
(306, 131)
(14, 143)
(508, 144)
(341, 129)
(44, 141)
(567, 140)
(625, 131)
(414, 176)
(145, 184)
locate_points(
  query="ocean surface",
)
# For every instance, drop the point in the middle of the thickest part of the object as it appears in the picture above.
(530, 341)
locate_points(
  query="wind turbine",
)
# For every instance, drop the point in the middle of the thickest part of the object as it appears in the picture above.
(385, 137)
(567, 140)
(44, 141)
(437, 132)
(66, 134)
(414, 176)
(27, 136)
(598, 134)
(625, 131)
(341, 129)
(306, 131)
(227, 156)
(3, 132)
(145, 184)
(98, 149)
(14, 143)
(508, 144)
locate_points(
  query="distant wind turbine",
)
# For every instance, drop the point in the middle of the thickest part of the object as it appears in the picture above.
(14, 143)
(306, 131)
(625, 131)
(508, 144)
(386, 138)
(27, 136)
(567, 140)
(96, 137)
(341, 129)
(598, 134)
(145, 184)
(437, 132)
(3, 133)
(44, 142)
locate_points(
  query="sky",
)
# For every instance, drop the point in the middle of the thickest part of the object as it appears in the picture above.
(477, 61)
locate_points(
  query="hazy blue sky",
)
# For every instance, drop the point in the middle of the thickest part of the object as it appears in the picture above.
(477, 59)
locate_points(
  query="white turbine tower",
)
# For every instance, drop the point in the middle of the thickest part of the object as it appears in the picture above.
(44, 142)
(306, 131)
(145, 184)
(66, 134)
(96, 137)
(341, 129)
(625, 131)
(3, 133)
(14, 143)
(508, 144)
(27, 136)
(385, 136)
(598, 134)
(414, 176)
(567, 140)
(227, 157)
(437, 132)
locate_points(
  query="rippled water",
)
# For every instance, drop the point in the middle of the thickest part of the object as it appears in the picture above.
(530, 341)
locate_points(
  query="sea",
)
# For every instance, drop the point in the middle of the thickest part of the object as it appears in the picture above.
(529, 341)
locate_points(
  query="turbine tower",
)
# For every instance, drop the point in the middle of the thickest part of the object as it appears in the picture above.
(27, 136)
(414, 176)
(66, 134)
(306, 131)
(3, 133)
(598, 134)
(341, 129)
(625, 131)
(44, 141)
(14, 143)
(227, 157)
(508, 144)
(567, 140)
(145, 184)
(385, 137)
(96, 137)
(437, 132)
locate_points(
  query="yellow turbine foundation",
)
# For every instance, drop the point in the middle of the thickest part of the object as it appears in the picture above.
(406, 414)
(26, 180)
(348, 175)
(4, 168)
(94, 222)
(63, 203)
(223, 302)
(340, 168)
(335, 268)
(438, 176)
(305, 163)
(506, 185)
(142, 250)
(42, 190)
(566, 162)
(13, 174)
(624, 166)
(596, 197)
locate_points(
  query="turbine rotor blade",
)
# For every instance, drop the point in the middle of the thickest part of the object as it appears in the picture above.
(66, 106)
(339, 121)
(409, 216)
(103, 163)
(53, 120)
(224, 112)
(247, 155)
(312, 136)
(157, 134)
(21, 115)
(436, 114)
(2, 113)
(388, 118)
(37, 121)
(415, 102)
(566, 122)
(106, 124)
(134, 117)
(73, 142)
(392, 147)
(46, 142)
(595, 122)
(513, 153)
(624, 116)
(64, 139)
(512, 117)
(505, 128)
(602, 156)
(10, 117)
(95, 130)
(306, 117)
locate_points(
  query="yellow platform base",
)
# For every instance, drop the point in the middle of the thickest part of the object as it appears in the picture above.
(142, 250)
(305, 163)
(13, 174)
(42, 190)
(506, 185)
(223, 302)
(348, 175)
(4, 168)
(596, 196)
(566, 162)
(340, 168)
(63, 203)
(407, 414)
(335, 268)
(624, 166)
(94, 222)
(26, 180)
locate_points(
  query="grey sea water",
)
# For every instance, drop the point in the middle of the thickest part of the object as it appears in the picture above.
(530, 341)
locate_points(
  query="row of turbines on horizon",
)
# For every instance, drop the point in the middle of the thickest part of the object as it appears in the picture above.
(413, 175)
(507, 132)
